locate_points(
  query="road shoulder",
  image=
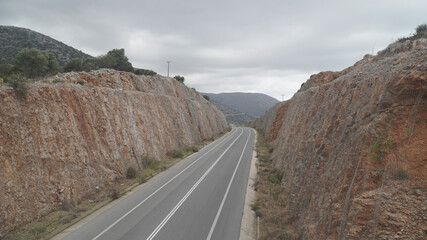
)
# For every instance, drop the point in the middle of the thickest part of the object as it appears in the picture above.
(248, 225)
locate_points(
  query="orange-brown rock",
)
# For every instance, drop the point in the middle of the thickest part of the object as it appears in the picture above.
(66, 139)
(352, 146)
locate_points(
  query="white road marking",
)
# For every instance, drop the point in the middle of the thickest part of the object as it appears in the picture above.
(166, 219)
(139, 204)
(228, 189)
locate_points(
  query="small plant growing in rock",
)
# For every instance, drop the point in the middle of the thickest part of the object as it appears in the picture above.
(66, 206)
(409, 131)
(81, 82)
(38, 229)
(57, 80)
(115, 193)
(400, 174)
(175, 154)
(380, 147)
(149, 162)
(131, 173)
(142, 179)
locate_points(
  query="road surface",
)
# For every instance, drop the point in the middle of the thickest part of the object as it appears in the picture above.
(201, 197)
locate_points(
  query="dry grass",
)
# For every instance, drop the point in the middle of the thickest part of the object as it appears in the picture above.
(270, 205)
(68, 214)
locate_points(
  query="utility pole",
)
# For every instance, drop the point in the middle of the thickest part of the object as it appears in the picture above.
(168, 67)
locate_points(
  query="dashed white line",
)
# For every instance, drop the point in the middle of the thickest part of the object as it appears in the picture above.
(139, 204)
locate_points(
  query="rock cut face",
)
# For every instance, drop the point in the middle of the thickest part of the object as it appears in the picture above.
(65, 139)
(352, 148)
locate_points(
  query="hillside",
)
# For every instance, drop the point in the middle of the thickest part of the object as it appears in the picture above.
(14, 39)
(76, 133)
(251, 104)
(350, 151)
(233, 116)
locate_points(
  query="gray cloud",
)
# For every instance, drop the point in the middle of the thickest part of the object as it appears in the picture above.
(268, 46)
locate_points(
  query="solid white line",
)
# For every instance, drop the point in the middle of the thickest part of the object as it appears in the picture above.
(166, 219)
(139, 204)
(228, 189)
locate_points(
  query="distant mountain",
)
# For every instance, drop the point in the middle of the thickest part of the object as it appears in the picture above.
(251, 104)
(14, 39)
(233, 116)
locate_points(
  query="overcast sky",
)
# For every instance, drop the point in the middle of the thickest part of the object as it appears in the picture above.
(267, 46)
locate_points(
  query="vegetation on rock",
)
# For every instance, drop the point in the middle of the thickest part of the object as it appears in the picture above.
(180, 79)
(420, 32)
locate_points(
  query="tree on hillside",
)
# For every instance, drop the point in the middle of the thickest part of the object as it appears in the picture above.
(179, 78)
(75, 64)
(116, 59)
(90, 64)
(5, 69)
(52, 63)
(106, 61)
(31, 62)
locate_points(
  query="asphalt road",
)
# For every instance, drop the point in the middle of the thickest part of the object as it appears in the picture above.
(201, 197)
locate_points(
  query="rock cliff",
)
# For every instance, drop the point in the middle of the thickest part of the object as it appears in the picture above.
(76, 131)
(353, 150)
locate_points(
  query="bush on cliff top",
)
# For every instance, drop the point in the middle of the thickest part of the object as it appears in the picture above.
(18, 82)
(180, 79)
(420, 32)
(145, 72)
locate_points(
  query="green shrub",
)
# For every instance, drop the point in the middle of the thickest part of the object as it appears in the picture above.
(115, 193)
(276, 177)
(31, 62)
(400, 174)
(145, 72)
(57, 80)
(149, 162)
(380, 148)
(90, 63)
(180, 79)
(81, 82)
(74, 64)
(175, 154)
(191, 149)
(420, 32)
(66, 206)
(142, 179)
(131, 173)
(38, 229)
(18, 82)
(421, 29)
(207, 97)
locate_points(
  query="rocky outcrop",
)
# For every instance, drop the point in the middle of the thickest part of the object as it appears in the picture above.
(353, 150)
(76, 131)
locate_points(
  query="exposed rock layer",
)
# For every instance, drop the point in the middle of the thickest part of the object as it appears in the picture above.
(353, 150)
(65, 139)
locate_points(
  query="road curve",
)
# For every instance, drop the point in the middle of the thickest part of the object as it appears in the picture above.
(201, 197)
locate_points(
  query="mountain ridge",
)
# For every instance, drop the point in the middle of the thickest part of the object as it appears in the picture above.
(248, 105)
(13, 39)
